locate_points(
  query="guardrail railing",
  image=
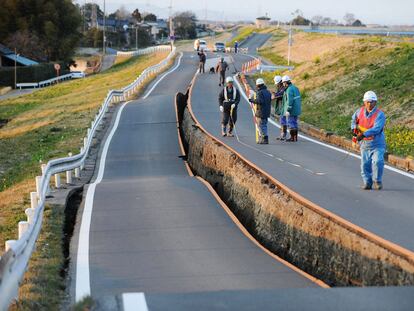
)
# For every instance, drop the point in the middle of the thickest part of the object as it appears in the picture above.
(152, 49)
(14, 261)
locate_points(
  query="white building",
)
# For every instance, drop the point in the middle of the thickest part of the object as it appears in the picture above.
(263, 22)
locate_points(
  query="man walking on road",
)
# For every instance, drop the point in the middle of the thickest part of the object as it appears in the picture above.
(202, 61)
(221, 69)
(236, 47)
(229, 99)
(368, 129)
(263, 101)
(278, 107)
(292, 107)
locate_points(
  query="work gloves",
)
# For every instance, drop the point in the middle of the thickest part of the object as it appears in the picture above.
(360, 137)
(221, 108)
(233, 106)
(287, 114)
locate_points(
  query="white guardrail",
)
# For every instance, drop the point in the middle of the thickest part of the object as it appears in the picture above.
(14, 261)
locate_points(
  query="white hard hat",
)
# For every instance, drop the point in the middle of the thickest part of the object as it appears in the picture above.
(285, 79)
(260, 81)
(370, 96)
(229, 80)
(277, 79)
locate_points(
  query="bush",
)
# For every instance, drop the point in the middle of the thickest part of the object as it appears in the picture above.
(305, 76)
(317, 60)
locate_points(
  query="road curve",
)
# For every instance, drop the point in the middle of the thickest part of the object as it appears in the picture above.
(154, 228)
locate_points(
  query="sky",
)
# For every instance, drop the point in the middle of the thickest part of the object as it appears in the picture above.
(390, 12)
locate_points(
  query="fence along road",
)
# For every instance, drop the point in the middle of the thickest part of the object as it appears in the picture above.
(154, 228)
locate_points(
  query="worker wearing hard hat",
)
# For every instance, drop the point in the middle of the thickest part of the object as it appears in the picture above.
(368, 129)
(262, 100)
(229, 99)
(292, 107)
(277, 97)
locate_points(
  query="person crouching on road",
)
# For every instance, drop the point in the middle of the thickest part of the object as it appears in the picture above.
(229, 99)
(263, 101)
(221, 69)
(278, 107)
(202, 62)
(292, 107)
(368, 129)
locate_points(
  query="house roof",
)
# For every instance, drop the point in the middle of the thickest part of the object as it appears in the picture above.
(5, 50)
(21, 60)
(111, 22)
(263, 18)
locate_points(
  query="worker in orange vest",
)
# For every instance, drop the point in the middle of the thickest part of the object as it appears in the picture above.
(368, 130)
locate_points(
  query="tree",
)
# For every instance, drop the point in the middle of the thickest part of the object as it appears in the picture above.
(300, 20)
(137, 16)
(27, 44)
(185, 25)
(150, 18)
(349, 19)
(317, 20)
(358, 23)
(55, 23)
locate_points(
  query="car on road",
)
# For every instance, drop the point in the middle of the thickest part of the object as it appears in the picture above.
(219, 47)
(78, 74)
(203, 45)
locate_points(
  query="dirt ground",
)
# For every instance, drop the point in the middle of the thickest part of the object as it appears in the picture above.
(306, 47)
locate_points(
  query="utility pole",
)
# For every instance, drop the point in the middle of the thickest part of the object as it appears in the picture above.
(15, 68)
(104, 37)
(136, 36)
(171, 26)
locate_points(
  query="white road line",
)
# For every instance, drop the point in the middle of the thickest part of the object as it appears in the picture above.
(388, 167)
(163, 76)
(134, 302)
(83, 285)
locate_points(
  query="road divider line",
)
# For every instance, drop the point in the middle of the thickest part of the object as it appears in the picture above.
(83, 286)
(163, 76)
(348, 153)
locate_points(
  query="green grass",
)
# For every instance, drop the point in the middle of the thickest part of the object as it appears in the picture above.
(243, 33)
(333, 84)
(43, 287)
(393, 83)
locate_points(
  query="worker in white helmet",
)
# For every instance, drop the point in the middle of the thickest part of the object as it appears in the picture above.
(292, 107)
(263, 101)
(229, 99)
(368, 129)
(277, 97)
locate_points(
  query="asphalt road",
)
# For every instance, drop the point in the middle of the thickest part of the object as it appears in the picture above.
(255, 42)
(327, 177)
(156, 229)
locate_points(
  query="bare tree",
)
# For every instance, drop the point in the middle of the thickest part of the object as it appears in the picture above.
(349, 19)
(317, 20)
(137, 15)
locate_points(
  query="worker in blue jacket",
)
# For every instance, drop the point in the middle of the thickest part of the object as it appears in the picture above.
(262, 101)
(292, 107)
(368, 129)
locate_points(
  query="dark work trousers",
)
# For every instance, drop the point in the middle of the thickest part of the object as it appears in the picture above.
(201, 67)
(225, 118)
(222, 76)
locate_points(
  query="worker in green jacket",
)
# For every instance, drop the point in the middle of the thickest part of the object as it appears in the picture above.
(292, 107)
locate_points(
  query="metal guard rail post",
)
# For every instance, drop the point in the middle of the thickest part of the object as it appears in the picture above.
(14, 261)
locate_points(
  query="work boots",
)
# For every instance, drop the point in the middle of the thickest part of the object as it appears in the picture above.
(293, 135)
(263, 140)
(283, 133)
(230, 132)
(223, 131)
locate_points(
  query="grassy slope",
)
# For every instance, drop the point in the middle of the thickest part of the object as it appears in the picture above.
(333, 84)
(48, 124)
(243, 33)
